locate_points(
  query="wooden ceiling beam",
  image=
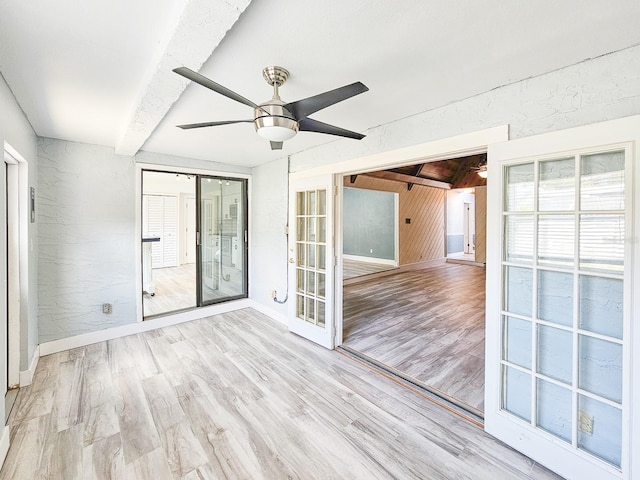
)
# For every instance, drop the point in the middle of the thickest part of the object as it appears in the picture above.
(409, 179)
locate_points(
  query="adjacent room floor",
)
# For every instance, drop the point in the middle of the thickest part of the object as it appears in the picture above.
(175, 289)
(428, 324)
(237, 396)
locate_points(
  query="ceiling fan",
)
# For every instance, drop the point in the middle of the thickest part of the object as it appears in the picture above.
(274, 119)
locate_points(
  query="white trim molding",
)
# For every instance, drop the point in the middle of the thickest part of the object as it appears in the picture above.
(360, 258)
(271, 313)
(85, 339)
(4, 444)
(26, 376)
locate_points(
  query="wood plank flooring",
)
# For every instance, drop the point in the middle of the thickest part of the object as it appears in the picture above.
(354, 268)
(237, 396)
(428, 324)
(175, 290)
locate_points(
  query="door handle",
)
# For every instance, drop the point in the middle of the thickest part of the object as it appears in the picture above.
(198, 238)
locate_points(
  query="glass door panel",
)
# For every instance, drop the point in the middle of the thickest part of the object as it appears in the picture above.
(562, 299)
(310, 260)
(222, 242)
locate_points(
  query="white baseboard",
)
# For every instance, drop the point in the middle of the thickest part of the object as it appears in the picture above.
(381, 261)
(26, 376)
(269, 312)
(55, 346)
(4, 445)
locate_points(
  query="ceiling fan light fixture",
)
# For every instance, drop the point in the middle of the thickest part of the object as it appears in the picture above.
(276, 129)
(482, 171)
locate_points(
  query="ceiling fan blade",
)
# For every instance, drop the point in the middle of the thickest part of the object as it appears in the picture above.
(212, 124)
(307, 106)
(276, 145)
(310, 125)
(211, 85)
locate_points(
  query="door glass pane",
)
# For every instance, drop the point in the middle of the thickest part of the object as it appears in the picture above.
(517, 340)
(519, 189)
(311, 254)
(555, 297)
(601, 305)
(321, 314)
(222, 238)
(554, 409)
(600, 365)
(602, 242)
(602, 181)
(519, 241)
(168, 242)
(555, 353)
(605, 438)
(556, 243)
(517, 393)
(557, 190)
(519, 286)
(321, 288)
(311, 202)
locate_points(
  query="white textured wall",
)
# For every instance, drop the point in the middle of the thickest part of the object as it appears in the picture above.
(604, 88)
(87, 238)
(268, 242)
(87, 217)
(16, 130)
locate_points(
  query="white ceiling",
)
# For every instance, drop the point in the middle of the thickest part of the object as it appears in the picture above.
(100, 71)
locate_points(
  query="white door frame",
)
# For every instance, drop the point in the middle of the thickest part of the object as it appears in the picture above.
(458, 146)
(140, 166)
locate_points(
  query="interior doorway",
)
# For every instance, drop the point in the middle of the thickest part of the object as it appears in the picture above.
(14, 257)
(194, 240)
(424, 318)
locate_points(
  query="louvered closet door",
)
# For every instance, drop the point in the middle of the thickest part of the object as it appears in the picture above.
(160, 219)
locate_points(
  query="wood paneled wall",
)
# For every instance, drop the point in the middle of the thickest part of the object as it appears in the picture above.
(481, 224)
(423, 238)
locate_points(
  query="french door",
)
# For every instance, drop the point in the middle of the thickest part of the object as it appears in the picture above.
(562, 337)
(311, 259)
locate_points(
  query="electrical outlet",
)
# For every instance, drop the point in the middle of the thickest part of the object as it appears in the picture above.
(107, 308)
(585, 423)
(273, 294)
(371, 250)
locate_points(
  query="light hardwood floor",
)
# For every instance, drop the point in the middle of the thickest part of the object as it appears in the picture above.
(428, 324)
(175, 290)
(237, 396)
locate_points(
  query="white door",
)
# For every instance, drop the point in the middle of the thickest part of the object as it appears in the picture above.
(469, 229)
(560, 281)
(311, 259)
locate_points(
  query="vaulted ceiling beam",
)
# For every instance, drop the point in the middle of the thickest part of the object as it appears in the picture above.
(409, 179)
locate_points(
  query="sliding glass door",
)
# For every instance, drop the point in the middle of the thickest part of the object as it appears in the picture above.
(184, 213)
(222, 239)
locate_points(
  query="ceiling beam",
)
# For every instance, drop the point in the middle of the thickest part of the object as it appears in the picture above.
(200, 27)
(409, 179)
